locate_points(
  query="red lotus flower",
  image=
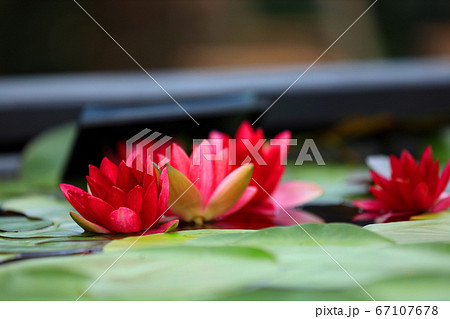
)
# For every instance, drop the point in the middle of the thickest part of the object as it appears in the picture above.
(267, 174)
(204, 189)
(121, 199)
(414, 188)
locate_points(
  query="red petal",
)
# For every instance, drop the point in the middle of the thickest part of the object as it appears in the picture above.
(97, 189)
(248, 195)
(125, 178)
(295, 193)
(124, 220)
(404, 192)
(295, 216)
(202, 169)
(370, 205)
(100, 208)
(395, 217)
(396, 166)
(386, 198)
(368, 216)
(78, 199)
(426, 162)
(135, 198)
(149, 206)
(109, 169)
(244, 131)
(422, 198)
(409, 163)
(180, 160)
(164, 228)
(87, 225)
(163, 198)
(441, 205)
(117, 197)
(445, 176)
(381, 181)
(99, 177)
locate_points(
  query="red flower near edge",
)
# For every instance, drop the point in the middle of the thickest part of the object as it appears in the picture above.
(267, 176)
(414, 188)
(121, 199)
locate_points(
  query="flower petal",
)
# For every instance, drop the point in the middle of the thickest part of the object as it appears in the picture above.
(422, 198)
(163, 198)
(202, 169)
(149, 208)
(295, 193)
(78, 198)
(87, 225)
(370, 205)
(117, 197)
(97, 189)
(164, 228)
(124, 220)
(109, 169)
(295, 216)
(248, 195)
(100, 208)
(229, 191)
(185, 199)
(125, 178)
(441, 205)
(135, 198)
(99, 177)
(180, 160)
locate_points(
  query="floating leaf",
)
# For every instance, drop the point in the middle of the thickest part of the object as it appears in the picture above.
(433, 230)
(306, 235)
(16, 224)
(45, 157)
(176, 273)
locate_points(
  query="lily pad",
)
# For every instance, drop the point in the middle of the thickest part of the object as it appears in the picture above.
(158, 273)
(306, 235)
(16, 224)
(433, 230)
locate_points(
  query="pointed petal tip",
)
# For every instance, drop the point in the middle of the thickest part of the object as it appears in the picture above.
(87, 225)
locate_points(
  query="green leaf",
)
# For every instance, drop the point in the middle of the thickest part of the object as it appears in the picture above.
(433, 230)
(333, 178)
(159, 273)
(16, 224)
(38, 246)
(40, 206)
(45, 157)
(306, 235)
(166, 239)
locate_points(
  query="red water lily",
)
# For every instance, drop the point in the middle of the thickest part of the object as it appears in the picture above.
(413, 188)
(203, 189)
(121, 199)
(267, 175)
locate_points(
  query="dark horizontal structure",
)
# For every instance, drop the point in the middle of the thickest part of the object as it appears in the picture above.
(325, 94)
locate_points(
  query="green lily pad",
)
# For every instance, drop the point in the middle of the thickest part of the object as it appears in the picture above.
(43, 246)
(40, 206)
(167, 239)
(16, 224)
(45, 157)
(158, 273)
(306, 235)
(433, 230)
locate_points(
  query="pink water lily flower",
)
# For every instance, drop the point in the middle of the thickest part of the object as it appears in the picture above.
(267, 175)
(412, 189)
(202, 189)
(120, 199)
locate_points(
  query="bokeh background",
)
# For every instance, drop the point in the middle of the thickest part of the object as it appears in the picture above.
(55, 63)
(56, 36)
